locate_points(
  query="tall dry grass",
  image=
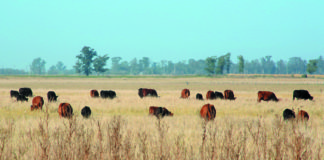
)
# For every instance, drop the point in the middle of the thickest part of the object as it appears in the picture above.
(122, 129)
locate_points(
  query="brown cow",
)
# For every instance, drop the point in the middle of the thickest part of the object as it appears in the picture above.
(208, 112)
(143, 92)
(210, 95)
(65, 110)
(159, 112)
(37, 103)
(94, 93)
(267, 96)
(229, 94)
(185, 93)
(303, 115)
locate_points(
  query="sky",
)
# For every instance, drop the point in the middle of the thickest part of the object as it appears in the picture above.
(173, 30)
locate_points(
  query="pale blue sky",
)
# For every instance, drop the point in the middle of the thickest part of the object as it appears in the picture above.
(159, 29)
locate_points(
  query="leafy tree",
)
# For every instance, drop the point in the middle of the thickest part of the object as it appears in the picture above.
(227, 62)
(52, 70)
(281, 67)
(268, 66)
(99, 63)
(85, 60)
(240, 63)
(38, 66)
(134, 68)
(312, 66)
(220, 65)
(115, 66)
(296, 65)
(210, 65)
(60, 67)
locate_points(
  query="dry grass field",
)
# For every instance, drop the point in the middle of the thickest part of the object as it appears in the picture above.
(121, 128)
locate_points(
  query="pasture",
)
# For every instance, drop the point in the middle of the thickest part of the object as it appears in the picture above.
(120, 128)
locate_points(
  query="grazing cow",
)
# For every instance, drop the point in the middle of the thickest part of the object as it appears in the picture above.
(14, 93)
(27, 92)
(229, 94)
(94, 93)
(159, 112)
(22, 98)
(185, 93)
(65, 110)
(199, 96)
(303, 115)
(210, 95)
(288, 114)
(86, 112)
(37, 103)
(267, 96)
(302, 94)
(107, 94)
(219, 95)
(143, 92)
(51, 96)
(208, 112)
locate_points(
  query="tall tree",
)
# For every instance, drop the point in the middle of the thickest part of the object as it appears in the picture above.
(85, 60)
(227, 62)
(312, 66)
(38, 66)
(210, 65)
(99, 63)
(240, 63)
(220, 65)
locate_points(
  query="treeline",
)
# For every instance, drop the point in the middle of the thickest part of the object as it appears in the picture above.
(90, 63)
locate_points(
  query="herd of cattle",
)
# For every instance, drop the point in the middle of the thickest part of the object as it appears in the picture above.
(208, 111)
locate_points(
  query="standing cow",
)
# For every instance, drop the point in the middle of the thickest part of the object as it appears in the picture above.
(94, 93)
(51, 96)
(219, 95)
(22, 98)
(302, 94)
(208, 112)
(86, 112)
(107, 94)
(288, 114)
(199, 96)
(159, 112)
(65, 110)
(144, 92)
(229, 94)
(37, 103)
(27, 92)
(210, 95)
(303, 115)
(185, 93)
(267, 96)
(14, 93)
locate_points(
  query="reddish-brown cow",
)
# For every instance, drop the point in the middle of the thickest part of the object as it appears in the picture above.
(267, 96)
(210, 95)
(229, 94)
(208, 112)
(185, 93)
(65, 110)
(94, 93)
(37, 103)
(159, 112)
(303, 115)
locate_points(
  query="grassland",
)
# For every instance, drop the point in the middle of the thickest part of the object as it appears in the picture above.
(121, 128)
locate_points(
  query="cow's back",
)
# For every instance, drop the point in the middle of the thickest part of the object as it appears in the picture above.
(185, 93)
(37, 103)
(303, 115)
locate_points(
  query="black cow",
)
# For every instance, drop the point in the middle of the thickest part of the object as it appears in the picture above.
(22, 98)
(14, 93)
(51, 96)
(107, 94)
(86, 112)
(288, 114)
(199, 96)
(219, 95)
(27, 92)
(302, 94)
